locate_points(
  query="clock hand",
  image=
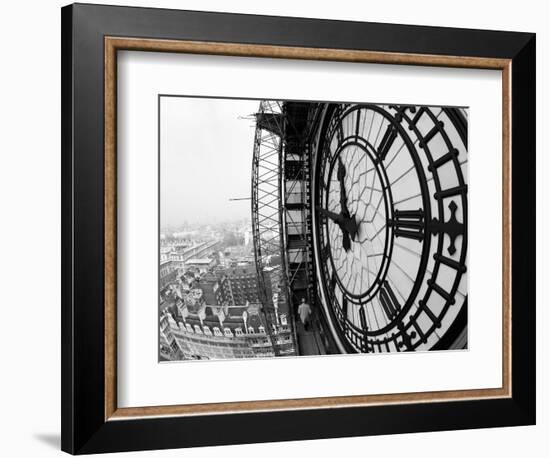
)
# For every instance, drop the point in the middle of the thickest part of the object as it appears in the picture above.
(346, 244)
(341, 175)
(338, 218)
(350, 221)
(352, 227)
(347, 224)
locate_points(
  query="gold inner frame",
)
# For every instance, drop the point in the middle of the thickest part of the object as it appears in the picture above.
(114, 44)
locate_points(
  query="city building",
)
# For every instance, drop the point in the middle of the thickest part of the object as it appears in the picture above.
(239, 334)
(202, 264)
(244, 284)
(167, 274)
(181, 252)
(211, 306)
(216, 289)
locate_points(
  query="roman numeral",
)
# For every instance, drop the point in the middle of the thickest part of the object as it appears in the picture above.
(363, 319)
(389, 302)
(325, 252)
(387, 141)
(357, 122)
(408, 223)
(364, 327)
(340, 132)
(345, 307)
(333, 281)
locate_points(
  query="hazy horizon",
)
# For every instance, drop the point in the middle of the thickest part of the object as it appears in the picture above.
(205, 159)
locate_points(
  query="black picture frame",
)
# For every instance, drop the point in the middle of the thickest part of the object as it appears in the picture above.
(84, 427)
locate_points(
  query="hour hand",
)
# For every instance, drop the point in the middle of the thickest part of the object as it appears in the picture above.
(346, 243)
(336, 217)
(347, 224)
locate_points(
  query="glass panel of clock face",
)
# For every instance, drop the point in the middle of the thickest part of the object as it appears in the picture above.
(391, 226)
(317, 228)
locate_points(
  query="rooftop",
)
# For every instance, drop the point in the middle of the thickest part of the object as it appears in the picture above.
(199, 261)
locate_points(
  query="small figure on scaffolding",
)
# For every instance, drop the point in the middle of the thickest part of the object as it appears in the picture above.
(304, 310)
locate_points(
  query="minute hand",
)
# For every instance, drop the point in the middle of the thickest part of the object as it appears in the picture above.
(351, 223)
(341, 174)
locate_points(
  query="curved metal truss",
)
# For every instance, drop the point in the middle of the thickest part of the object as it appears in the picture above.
(266, 172)
(267, 200)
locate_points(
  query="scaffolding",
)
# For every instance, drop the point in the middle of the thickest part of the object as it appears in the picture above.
(266, 206)
(281, 208)
(296, 184)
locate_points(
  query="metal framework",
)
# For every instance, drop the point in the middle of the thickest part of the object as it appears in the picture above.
(267, 201)
(281, 207)
(296, 182)
(303, 124)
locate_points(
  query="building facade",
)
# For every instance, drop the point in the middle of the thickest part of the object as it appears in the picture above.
(193, 329)
(167, 274)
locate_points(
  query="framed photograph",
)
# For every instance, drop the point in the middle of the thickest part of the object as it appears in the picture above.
(283, 228)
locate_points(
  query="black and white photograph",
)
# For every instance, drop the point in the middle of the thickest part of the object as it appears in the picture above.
(275, 229)
(308, 228)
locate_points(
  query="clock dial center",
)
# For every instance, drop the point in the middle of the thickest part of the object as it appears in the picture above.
(358, 237)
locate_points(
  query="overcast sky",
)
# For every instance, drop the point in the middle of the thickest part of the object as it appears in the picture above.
(205, 159)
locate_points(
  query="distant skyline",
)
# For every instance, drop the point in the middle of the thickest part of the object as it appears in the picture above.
(205, 159)
(188, 225)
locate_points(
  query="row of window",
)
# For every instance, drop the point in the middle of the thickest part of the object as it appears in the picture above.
(192, 348)
(205, 351)
(196, 329)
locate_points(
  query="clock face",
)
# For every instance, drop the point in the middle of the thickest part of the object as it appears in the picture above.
(390, 218)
